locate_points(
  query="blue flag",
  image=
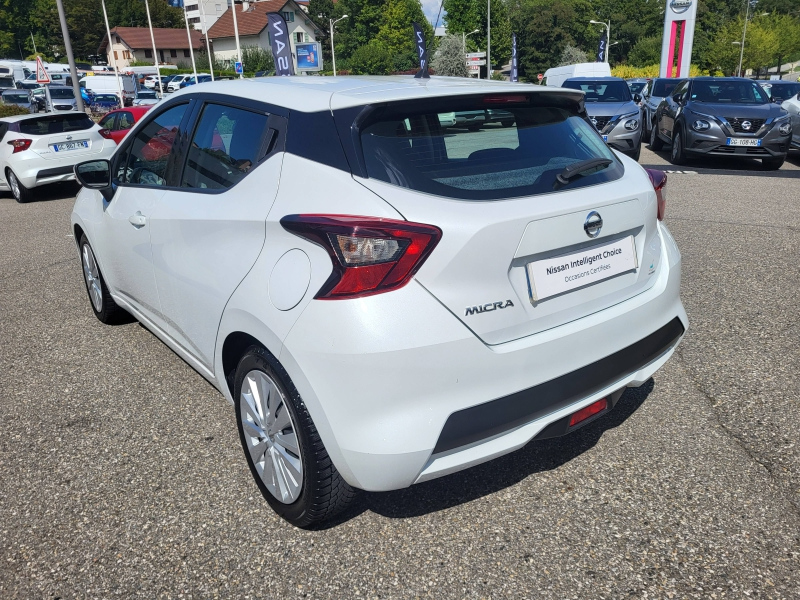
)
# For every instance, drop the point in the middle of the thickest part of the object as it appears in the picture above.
(175, 3)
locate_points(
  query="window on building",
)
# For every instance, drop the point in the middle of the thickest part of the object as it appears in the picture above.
(173, 53)
(186, 54)
(116, 56)
(288, 16)
(126, 54)
(219, 8)
(147, 162)
(225, 148)
(194, 20)
(298, 37)
(119, 41)
(191, 7)
(148, 54)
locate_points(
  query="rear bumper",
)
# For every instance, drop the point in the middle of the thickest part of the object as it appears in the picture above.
(33, 170)
(387, 378)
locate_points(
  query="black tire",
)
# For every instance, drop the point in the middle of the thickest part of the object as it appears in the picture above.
(637, 153)
(507, 123)
(677, 156)
(656, 143)
(324, 493)
(474, 127)
(773, 164)
(20, 192)
(109, 312)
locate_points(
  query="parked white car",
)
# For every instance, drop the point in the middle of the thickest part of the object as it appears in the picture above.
(792, 106)
(43, 148)
(175, 83)
(391, 303)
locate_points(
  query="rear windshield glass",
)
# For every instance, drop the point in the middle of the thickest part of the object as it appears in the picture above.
(663, 87)
(61, 93)
(485, 154)
(105, 98)
(55, 124)
(16, 98)
(6, 82)
(637, 87)
(728, 92)
(601, 91)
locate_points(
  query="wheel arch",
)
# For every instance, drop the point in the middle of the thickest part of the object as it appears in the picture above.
(233, 348)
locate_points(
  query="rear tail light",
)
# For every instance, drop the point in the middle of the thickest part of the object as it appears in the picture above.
(20, 145)
(505, 99)
(369, 255)
(588, 411)
(659, 181)
(106, 133)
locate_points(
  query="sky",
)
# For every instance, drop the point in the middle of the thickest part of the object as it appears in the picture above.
(431, 8)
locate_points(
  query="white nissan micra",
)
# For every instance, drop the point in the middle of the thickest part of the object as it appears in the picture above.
(384, 298)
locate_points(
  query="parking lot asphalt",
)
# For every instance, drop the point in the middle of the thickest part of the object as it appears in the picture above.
(121, 474)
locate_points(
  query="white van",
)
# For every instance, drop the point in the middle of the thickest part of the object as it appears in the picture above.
(557, 75)
(14, 69)
(107, 84)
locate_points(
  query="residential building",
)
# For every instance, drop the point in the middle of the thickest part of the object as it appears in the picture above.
(214, 9)
(129, 44)
(251, 18)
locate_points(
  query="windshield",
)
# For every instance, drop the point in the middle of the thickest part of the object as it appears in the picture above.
(601, 91)
(105, 98)
(62, 93)
(16, 98)
(663, 87)
(146, 95)
(728, 92)
(637, 86)
(55, 124)
(519, 152)
(783, 91)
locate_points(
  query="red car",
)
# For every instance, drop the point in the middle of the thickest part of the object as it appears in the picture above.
(116, 123)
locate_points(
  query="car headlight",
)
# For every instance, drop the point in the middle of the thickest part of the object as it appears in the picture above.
(632, 124)
(700, 125)
(785, 128)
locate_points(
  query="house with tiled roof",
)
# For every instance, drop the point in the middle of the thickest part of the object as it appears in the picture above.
(129, 44)
(251, 18)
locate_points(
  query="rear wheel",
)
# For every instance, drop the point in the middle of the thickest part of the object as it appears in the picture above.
(677, 155)
(283, 449)
(656, 143)
(773, 164)
(20, 192)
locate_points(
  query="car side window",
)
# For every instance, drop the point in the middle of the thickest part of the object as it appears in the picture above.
(225, 147)
(680, 88)
(150, 150)
(125, 121)
(107, 122)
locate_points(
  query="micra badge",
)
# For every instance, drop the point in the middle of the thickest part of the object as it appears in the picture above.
(472, 310)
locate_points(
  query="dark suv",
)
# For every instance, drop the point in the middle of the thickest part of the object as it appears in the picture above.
(722, 116)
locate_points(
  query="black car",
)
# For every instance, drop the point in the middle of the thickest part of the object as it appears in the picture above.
(722, 116)
(779, 91)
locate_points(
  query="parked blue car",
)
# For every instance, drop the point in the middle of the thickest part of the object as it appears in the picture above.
(200, 79)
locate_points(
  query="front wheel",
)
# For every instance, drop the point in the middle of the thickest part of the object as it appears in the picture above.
(677, 156)
(105, 309)
(656, 143)
(773, 164)
(283, 449)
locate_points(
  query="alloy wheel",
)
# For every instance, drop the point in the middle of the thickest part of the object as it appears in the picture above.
(271, 436)
(12, 180)
(92, 275)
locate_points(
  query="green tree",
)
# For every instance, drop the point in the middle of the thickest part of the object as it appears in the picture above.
(449, 59)
(396, 33)
(365, 18)
(572, 55)
(646, 52)
(465, 16)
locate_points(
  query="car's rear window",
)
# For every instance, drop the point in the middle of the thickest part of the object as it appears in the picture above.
(16, 98)
(516, 150)
(663, 87)
(62, 93)
(55, 124)
(600, 90)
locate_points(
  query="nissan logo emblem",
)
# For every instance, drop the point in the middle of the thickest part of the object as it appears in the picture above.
(593, 224)
(746, 125)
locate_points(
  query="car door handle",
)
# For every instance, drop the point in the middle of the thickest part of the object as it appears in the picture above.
(137, 220)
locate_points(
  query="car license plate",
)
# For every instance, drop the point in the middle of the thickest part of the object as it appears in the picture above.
(66, 146)
(605, 138)
(565, 273)
(743, 142)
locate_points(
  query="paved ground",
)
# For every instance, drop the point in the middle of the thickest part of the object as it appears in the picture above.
(121, 473)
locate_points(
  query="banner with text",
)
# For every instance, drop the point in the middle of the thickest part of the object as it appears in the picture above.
(281, 49)
(514, 59)
(422, 52)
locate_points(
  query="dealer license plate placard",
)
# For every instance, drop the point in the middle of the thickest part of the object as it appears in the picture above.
(559, 274)
(67, 146)
(743, 142)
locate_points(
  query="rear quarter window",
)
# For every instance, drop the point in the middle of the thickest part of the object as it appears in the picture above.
(514, 151)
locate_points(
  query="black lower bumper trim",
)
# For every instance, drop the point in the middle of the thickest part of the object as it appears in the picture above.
(45, 173)
(498, 416)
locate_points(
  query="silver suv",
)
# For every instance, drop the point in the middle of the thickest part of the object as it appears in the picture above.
(655, 91)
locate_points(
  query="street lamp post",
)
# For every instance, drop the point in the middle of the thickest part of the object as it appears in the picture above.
(608, 32)
(488, 39)
(76, 88)
(747, 17)
(333, 52)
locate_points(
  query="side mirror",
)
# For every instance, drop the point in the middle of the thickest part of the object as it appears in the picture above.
(637, 98)
(95, 175)
(677, 98)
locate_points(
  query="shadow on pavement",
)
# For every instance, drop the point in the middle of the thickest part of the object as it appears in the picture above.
(498, 474)
(53, 191)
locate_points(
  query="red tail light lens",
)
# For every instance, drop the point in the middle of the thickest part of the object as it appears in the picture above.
(106, 133)
(369, 255)
(659, 181)
(20, 145)
(588, 411)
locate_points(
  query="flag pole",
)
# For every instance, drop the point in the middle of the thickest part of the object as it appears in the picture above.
(189, 36)
(155, 53)
(236, 33)
(208, 45)
(113, 58)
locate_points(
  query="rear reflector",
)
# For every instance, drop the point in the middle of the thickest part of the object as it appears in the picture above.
(369, 255)
(589, 411)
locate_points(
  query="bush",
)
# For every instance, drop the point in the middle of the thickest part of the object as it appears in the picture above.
(371, 59)
(10, 110)
(572, 55)
(629, 72)
(449, 59)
